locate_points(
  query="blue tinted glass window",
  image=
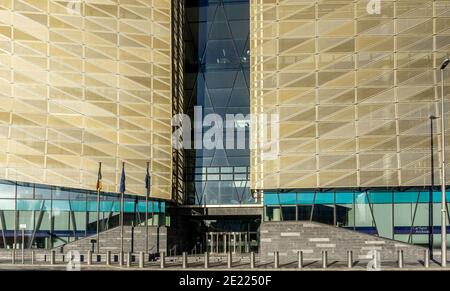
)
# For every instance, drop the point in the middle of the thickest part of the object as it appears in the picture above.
(60, 194)
(43, 192)
(25, 191)
(7, 190)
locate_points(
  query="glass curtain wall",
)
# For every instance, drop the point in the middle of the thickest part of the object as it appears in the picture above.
(217, 80)
(411, 216)
(52, 216)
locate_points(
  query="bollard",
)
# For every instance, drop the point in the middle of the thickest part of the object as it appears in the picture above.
(129, 259)
(108, 258)
(349, 259)
(121, 254)
(252, 260)
(206, 260)
(426, 259)
(141, 260)
(229, 260)
(400, 258)
(163, 260)
(276, 260)
(185, 260)
(324, 259)
(32, 257)
(89, 257)
(300, 259)
(52, 257)
(13, 257)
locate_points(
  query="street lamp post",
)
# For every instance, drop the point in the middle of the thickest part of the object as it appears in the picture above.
(430, 212)
(443, 203)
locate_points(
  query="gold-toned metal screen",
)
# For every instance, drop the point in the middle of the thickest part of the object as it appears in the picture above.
(353, 88)
(82, 82)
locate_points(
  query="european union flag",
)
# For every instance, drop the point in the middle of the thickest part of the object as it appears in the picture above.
(147, 180)
(122, 179)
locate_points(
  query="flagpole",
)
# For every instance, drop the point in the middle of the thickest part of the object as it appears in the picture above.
(98, 207)
(122, 202)
(147, 184)
(121, 221)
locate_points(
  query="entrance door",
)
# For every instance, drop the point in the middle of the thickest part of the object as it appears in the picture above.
(236, 242)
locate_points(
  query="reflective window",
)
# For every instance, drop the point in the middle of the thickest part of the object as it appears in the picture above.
(57, 216)
(7, 190)
(408, 215)
(217, 78)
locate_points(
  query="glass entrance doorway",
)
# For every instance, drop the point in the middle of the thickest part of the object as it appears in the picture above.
(236, 242)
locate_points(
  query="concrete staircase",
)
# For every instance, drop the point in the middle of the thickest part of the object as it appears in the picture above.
(312, 238)
(110, 240)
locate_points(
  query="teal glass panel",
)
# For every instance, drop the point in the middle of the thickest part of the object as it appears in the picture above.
(270, 199)
(61, 205)
(288, 198)
(380, 197)
(163, 207)
(7, 204)
(47, 205)
(78, 206)
(92, 206)
(129, 207)
(141, 206)
(30, 205)
(106, 206)
(156, 206)
(424, 196)
(116, 206)
(406, 197)
(437, 196)
(324, 198)
(361, 198)
(344, 197)
(305, 198)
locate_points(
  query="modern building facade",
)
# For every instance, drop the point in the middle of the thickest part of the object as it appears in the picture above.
(354, 89)
(334, 100)
(86, 82)
(83, 82)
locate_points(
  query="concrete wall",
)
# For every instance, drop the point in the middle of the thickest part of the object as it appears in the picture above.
(110, 240)
(289, 237)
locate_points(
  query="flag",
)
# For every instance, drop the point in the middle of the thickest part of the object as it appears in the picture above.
(99, 185)
(147, 180)
(122, 179)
